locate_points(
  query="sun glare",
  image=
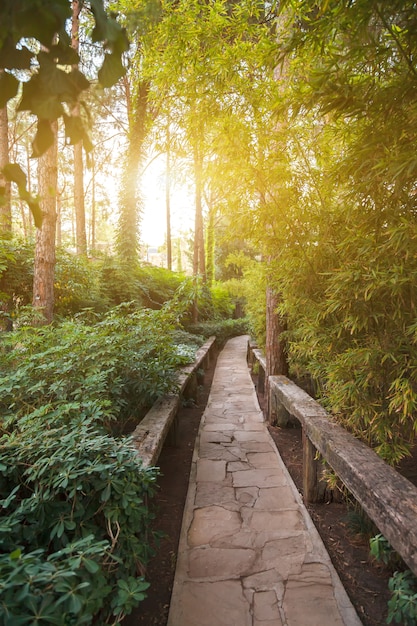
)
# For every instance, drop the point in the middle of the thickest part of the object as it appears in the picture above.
(154, 223)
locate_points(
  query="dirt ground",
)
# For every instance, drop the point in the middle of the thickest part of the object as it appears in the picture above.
(365, 581)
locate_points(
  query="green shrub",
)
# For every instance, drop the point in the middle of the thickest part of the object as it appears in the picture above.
(402, 606)
(76, 285)
(122, 364)
(74, 523)
(223, 329)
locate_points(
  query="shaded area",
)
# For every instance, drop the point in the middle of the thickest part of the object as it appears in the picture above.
(175, 464)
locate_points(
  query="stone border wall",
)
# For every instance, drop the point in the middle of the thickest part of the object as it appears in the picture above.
(160, 421)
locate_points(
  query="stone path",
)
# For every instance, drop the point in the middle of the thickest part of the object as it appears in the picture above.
(249, 553)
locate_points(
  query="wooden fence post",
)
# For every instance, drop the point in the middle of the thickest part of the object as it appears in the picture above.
(313, 486)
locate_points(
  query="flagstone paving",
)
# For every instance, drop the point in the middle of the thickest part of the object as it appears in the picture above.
(249, 553)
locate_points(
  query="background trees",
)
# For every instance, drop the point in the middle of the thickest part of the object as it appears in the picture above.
(296, 122)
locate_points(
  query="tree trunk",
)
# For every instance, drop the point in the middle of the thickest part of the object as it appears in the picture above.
(199, 261)
(275, 348)
(168, 205)
(5, 191)
(80, 230)
(44, 270)
(128, 229)
(93, 202)
(210, 245)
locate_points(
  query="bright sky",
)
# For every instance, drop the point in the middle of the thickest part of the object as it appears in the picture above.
(153, 225)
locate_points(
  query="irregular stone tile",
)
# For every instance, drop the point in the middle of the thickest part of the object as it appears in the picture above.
(211, 604)
(255, 446)
(258, 436)
(211, 471)
(260, 460)
(252, 425)
(235, 466)
(265, 581)
(265, 608)
(239, 408)
(215, 451)
(311, 593)
(240, 455)
(286, 555)
(276, 498)
(278, 521)
(216, 427)
(240, 539)
(212, 523)
(247, 495)
(220, 563)
(216, 437)
(208, 494)
(259, 478)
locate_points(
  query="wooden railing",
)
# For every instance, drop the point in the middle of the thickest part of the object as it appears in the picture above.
(161, 420)
(388, 498)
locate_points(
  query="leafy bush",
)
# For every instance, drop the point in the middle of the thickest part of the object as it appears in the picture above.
(403, 603)
(16, 275)
(122, 364)
(147, 285)
(75, 501)
(76, 285)
(223, 329)
(402, 606)
(74, 523)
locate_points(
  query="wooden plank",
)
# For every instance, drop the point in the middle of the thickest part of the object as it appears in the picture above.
(388, 498)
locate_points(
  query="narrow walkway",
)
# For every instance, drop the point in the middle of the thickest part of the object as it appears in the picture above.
(249, 553)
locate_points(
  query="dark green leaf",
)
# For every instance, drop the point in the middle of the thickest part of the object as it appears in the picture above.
(8, 88)
(13, 59)
(74, 129)
(111, 70)
(44, 138)
(14, 173)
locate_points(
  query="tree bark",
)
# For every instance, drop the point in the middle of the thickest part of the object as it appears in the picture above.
(210, 245)
(44, 270)
(5, 190)
(79, 204)
(275, 349)
(168, 203)
(199, 261)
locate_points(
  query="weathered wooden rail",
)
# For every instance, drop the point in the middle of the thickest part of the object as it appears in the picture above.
(161, 420)
(388, 498)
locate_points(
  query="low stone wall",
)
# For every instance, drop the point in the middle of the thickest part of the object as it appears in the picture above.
(160, 421)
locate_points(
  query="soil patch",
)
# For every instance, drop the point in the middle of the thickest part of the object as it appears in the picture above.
(365, 580)
(175, 466)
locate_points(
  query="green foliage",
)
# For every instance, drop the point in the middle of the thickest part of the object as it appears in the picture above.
(252, 288)
(81, 283)
(381, 549)
(222, 329)
(335, 209)
(75, 516)
(403, 603)
(75, 522)
(113, 370)
(402, 606)
(52, 91)
(16, 275)
(148, 285)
